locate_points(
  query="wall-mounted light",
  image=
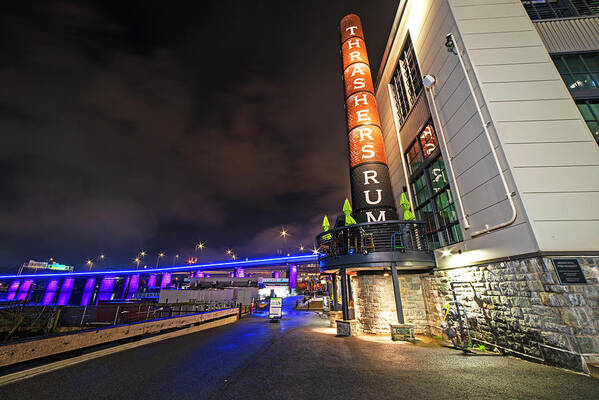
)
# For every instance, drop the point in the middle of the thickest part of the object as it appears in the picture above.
(428, 81)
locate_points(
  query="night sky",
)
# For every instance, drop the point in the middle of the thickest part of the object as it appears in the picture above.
(153, 125)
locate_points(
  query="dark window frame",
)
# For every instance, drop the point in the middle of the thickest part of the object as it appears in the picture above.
(437, 236)
(406, 80)
(593, 113)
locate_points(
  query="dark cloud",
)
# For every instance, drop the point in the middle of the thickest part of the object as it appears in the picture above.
(147, 125)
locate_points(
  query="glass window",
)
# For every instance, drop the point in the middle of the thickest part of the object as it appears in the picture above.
(438, 175)
(428, 140)
(590, 112)
(414, 157)
(579, 71)
(407, 81)
(433, 200)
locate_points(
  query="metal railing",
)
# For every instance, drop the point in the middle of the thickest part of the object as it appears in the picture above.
(373, 237)
(550, 9)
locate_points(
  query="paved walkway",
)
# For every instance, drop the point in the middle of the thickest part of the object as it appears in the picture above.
(300, 358)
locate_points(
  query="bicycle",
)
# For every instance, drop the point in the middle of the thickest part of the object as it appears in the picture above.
(455, 325)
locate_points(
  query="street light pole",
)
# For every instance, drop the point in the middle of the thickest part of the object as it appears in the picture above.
(160, 255)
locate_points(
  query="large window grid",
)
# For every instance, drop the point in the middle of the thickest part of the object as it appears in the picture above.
(579, 71)
(433, 200)
(590, 112)
(548, 9)
(407, 81)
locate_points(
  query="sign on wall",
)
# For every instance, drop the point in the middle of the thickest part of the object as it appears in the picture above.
(568, 271)
(372, 197)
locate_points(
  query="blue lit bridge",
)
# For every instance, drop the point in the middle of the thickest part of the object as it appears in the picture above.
(91, 287)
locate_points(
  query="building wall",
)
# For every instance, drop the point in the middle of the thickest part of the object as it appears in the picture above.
(545, 150)
(374, 303)
(550, 151)
(525, 308)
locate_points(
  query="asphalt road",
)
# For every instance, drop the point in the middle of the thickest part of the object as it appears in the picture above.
(299, 358)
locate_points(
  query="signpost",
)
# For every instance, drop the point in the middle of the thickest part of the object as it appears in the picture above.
(568, 271)
(275, 311)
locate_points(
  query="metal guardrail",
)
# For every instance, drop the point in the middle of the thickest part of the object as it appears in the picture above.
(560, 8)
(371, 237)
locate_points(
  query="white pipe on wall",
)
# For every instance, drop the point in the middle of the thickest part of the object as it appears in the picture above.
(488, 135)
(450, 158)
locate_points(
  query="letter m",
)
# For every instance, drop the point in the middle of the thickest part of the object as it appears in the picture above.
(370, 216)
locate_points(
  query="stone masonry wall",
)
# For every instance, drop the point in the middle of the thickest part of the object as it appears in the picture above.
(412, 300)
(374, 301)
(525, 308)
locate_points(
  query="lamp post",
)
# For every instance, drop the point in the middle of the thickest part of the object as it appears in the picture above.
(90, 263)
(175, 259)
(98, 258)
(160, 255)
(137, 260)
(284, 233)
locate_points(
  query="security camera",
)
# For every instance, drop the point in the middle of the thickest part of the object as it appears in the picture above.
(428, 81)
(449, 43)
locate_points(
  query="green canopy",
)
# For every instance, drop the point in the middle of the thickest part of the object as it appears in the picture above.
(325, 227)
(349, 220)
(405, 204)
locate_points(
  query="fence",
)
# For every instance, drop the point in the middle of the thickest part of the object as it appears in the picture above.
(373, 237)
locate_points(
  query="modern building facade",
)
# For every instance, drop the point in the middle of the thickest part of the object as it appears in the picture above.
(489, 112)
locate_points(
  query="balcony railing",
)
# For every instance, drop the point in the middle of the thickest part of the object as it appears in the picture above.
(373, 237)
(549, 9)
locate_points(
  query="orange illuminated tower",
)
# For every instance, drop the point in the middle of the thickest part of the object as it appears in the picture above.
(372, 196)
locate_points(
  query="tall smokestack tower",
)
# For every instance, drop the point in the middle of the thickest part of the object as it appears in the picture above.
(371, 193)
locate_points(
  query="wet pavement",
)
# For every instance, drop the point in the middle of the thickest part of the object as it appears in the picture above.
(300, 358)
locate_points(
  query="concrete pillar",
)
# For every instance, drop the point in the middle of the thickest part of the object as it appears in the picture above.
(239, 273)
(88, 291)
(50, 293)
(166, 280)
(335, 299)
(152, 281)
(66, 289)
(25, 289)
(12, 289)
(106, 289)
(292, 275)
(344, 296)
(133, 286)
(276, 274)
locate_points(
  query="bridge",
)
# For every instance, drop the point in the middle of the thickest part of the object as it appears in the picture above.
(89, 287)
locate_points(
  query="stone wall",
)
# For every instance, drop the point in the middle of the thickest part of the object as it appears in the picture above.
(413, 304)
(374, 301)
(525, 308)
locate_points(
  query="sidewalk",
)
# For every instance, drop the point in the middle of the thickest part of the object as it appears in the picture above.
(309, 362)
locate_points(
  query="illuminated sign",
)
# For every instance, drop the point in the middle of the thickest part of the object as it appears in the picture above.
(275, 311)
(372, 196)
(60, 267)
